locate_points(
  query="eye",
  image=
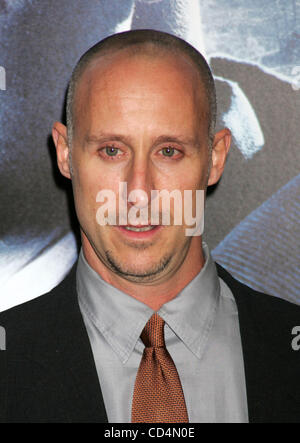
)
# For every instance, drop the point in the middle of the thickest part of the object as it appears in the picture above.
(169, 151)
(111, 151)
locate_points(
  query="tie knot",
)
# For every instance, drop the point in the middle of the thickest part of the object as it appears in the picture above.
(153, 333)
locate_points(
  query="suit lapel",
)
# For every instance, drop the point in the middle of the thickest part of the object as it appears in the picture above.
(251, 346)
(80, 374)
(68, 374)
(79, 371)
(271, 366)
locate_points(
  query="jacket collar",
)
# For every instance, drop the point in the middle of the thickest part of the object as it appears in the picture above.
(69, 364)
(271, 365)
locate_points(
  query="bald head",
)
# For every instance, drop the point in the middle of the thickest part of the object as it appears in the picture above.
(147, 43)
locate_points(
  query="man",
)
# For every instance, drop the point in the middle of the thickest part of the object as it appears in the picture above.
(146, 328)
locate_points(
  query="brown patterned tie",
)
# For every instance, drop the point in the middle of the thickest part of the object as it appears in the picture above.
(158, 395)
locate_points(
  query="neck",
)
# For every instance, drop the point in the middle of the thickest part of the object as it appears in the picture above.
(157, 294)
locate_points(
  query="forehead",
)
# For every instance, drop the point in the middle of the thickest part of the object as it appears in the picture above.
(142, 77)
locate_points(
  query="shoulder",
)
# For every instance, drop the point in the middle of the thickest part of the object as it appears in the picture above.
(35, 318)
(270, 352)
(267, 323)
(257, 303)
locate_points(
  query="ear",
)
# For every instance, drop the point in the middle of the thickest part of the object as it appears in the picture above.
(60, 138)
(221, 146)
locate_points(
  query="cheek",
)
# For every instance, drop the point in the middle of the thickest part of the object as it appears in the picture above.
(89, 178)
(189, 174)
(85, 189)
(196, 178)
(93, 176)
(187, 180)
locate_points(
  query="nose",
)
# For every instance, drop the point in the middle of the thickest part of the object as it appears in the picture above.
(139, 183)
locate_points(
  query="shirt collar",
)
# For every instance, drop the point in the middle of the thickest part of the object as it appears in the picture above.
(191, 314)
(121, 318)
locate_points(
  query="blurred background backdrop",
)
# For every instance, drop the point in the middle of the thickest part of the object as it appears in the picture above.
(253, 48)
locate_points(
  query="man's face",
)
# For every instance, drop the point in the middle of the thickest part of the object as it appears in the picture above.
(140, 120)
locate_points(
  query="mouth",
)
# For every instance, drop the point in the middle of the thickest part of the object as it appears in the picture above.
(139, 232)
(139, 228)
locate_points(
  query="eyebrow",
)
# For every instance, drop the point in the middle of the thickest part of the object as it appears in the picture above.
(181, 140)
(105, 137)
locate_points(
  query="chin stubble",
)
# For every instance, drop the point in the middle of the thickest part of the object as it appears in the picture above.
(124, 272)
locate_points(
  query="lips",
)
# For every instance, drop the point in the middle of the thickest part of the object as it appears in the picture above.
(139, 231)
(139, 228)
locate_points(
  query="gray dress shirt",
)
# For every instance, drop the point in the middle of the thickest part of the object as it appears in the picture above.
(201, 333)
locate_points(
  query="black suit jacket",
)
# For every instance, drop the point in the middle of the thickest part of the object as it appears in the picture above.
(48, 374)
